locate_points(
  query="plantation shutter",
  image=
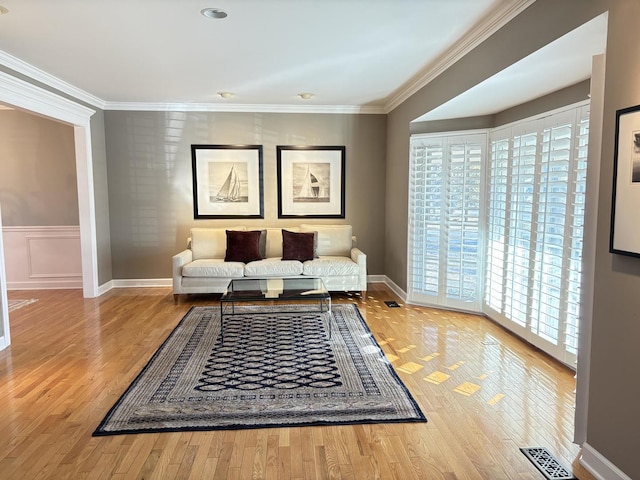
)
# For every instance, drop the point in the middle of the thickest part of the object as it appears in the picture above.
(535, 218)
(445, 216)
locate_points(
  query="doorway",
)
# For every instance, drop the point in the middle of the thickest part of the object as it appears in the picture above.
(28, 97)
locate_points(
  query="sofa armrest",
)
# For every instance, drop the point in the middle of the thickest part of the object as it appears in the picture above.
(360, 258)
(178, 261)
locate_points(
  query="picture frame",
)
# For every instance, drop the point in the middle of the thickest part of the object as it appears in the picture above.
(625, 227)
(227, 181)
(311, 181)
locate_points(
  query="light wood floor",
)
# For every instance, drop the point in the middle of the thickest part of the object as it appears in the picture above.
(484, 392)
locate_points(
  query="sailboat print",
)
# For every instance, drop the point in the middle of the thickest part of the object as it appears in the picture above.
(313, 188)
(230, 190)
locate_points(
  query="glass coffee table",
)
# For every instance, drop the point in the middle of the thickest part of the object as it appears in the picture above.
(284, 293)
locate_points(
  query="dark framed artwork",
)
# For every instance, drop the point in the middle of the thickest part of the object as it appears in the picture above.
(625, 227)
(311, 181)
(227, 181)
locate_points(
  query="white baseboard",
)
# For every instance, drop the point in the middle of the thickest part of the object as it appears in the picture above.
(599, 466)
(3, 343)
(144, 282)
(168, 282)
(396, 289)
(376, 279)
(105, 287)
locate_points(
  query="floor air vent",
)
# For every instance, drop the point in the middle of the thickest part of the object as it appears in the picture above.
(392, 304)
(547, 464)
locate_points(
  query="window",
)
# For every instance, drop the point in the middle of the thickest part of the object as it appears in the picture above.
(445, 235)
(502, 232)
(535, 216)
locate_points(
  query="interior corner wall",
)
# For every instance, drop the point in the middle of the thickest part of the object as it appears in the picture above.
(150, 178)
(37, 171)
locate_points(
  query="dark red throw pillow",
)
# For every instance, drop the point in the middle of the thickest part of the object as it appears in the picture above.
(297, 246)
(243, 246)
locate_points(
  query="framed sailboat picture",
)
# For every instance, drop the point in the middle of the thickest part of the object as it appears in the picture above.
(311, 181)
(227, 181)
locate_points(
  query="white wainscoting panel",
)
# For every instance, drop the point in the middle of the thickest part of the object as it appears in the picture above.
(42, 257)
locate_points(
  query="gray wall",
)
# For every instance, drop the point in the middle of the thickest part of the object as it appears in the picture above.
(150, 178)
(613, 419)
(37, 171)
(567, 96)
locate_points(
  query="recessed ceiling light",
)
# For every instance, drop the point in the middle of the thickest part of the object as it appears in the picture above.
(225, 94)
(305, 96)
(3, 10)
(213, 13)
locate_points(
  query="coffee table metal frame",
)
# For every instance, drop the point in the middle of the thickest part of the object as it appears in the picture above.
(281, 291)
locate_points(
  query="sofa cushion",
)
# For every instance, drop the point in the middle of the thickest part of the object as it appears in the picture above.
(210, 242)
(332, 239)
(330, 267)
(273, 267)
(297, 245)
(243, 246)
(213, 267)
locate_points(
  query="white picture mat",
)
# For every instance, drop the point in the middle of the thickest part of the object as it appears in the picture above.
(221, 160)
(333, 158)
(626, 228)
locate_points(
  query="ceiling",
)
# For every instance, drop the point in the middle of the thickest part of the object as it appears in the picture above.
(359, 55)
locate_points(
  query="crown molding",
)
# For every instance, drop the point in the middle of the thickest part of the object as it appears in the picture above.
(507, 11)
(243, 108)
(491, 24)
(49, 80)
(21, 94)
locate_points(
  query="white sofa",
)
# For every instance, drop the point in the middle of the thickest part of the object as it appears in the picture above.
(202, 268)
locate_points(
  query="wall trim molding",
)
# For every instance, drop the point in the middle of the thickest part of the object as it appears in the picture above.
(35, 73)
(487, 27)
(74, 229)
(5, 339)
(471, 40)
(395, 289)
(142, 282)
(105, 287)
(599, 466)
(43, 257)
(376, 279)
(244, 108)
(25, 95)
(50, 284)
(168, 282)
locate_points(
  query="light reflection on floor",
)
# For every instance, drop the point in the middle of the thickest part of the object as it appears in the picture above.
(482, 368)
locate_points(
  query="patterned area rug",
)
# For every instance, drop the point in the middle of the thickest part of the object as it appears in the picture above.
(16, 304)
(272, 370)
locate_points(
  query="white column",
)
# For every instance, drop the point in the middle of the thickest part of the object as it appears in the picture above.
(5, 338)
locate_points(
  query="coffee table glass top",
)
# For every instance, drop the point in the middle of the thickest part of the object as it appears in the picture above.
(257, 289)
